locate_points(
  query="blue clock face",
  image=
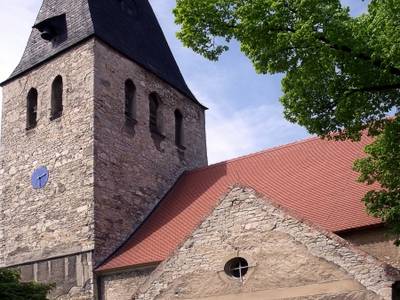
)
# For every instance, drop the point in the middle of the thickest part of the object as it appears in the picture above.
(40, 177)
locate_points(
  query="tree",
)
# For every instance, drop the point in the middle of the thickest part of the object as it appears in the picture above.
(12, 289)
(342, 73)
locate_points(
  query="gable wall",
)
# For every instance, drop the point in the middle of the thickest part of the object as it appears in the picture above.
(287, 258)
(122, 285)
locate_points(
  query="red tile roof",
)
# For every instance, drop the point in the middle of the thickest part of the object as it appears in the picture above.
(312, 178)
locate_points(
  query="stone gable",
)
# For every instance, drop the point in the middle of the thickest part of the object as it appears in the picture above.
(287, 259)
(122, 285)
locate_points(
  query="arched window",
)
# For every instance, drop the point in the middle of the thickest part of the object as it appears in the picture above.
(57, 98)
(130, 101)
(31, 109)
(154, 118)
(178, 128)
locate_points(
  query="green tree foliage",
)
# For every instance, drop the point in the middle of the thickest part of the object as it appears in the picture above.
(342, 73)
(12, 289)
(383, 165)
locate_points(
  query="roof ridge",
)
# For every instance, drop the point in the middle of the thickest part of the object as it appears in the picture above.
(257, 153)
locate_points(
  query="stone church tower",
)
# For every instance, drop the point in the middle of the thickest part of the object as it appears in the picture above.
(97, 125)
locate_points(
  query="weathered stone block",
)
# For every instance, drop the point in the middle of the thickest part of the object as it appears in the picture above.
(27, 274)
(57, 270)
(71, 269)
(43, 271)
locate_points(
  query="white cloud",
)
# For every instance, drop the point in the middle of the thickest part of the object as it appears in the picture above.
(16, 20)
(232, 132)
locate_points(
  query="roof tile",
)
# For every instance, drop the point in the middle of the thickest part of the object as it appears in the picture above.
(312, 178)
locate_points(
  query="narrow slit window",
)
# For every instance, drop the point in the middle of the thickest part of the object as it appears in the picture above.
(154, 111)
(130, 100)
(57, 98)
(178, 128)
(31, 109)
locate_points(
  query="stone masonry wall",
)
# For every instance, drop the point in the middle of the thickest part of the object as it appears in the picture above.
(72, 276)
(287, 259)
(122, 285)
(377, 242)
(56, 220)
(133, 167)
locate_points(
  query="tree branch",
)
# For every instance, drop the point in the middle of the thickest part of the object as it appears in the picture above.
(363, 56)
(376, 89)
(342, 48)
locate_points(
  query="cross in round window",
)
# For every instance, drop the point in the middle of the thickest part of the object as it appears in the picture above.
(237, 268)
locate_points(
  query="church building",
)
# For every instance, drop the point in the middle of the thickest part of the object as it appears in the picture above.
(106, 191)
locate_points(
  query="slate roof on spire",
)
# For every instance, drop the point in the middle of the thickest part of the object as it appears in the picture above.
(128, 26)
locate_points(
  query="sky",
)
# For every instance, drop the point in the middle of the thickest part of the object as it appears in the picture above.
(244, 114)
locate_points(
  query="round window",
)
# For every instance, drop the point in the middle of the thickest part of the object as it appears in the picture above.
(237, 268)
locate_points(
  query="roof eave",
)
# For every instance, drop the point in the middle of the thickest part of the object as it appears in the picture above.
(15, 76)
(360, 228)
(189, 95)
(109, 271)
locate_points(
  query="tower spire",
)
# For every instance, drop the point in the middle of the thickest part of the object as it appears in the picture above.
(128, 26)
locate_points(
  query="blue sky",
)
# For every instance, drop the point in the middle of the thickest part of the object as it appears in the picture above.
(245, 113)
